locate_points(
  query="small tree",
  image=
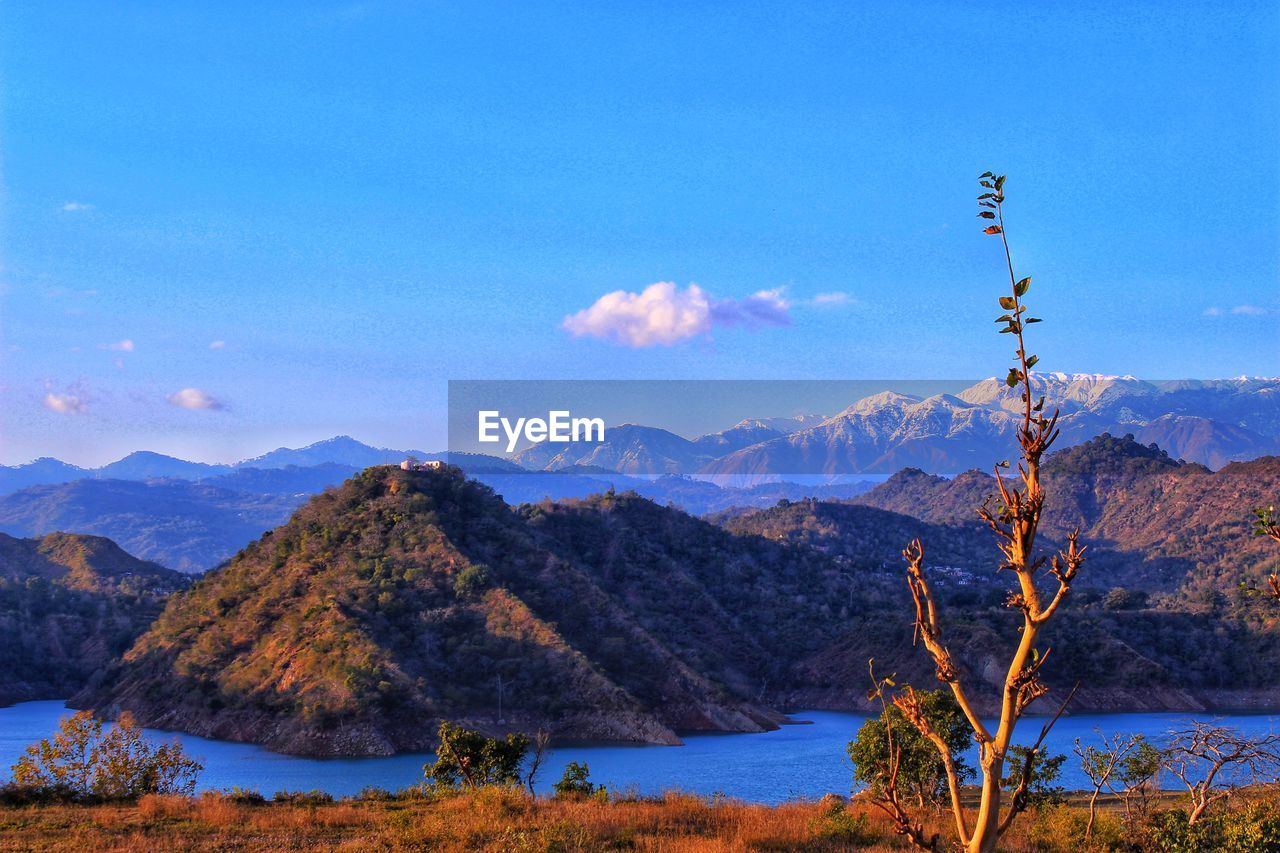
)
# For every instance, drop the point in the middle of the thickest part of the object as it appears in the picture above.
(1138, 773)
(1041, 772)
(1104, 766)
(576, 781)
(921, 773)
(1014, 516)
(1202, 753)
(466, 757)
(540, 745)
(82, 763)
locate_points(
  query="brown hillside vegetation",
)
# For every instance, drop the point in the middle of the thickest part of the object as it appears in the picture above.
(403, 597)
(69, 605)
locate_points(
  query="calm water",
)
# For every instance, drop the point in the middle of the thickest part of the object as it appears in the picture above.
(795, 761)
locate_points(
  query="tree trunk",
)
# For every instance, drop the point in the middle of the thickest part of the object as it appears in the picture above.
(986, 829)
(1093, 807)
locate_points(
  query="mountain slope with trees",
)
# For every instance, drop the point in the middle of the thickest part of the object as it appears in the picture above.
(69, 605)
(405, 597)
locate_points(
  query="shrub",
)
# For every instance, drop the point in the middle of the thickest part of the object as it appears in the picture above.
(245, 796)
(303, 798)
(469, 758)
(575, 781)
(80, 763)
(921, 773)
(836, 823)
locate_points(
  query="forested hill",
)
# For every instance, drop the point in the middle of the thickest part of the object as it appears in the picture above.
(1182, 525)
(69, 605)
(404, 597)
(408, 596)
(1165, 615)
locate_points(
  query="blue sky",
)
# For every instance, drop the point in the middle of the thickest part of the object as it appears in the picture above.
(228, 227)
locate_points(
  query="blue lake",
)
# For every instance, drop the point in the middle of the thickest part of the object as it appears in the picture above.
(803, 760)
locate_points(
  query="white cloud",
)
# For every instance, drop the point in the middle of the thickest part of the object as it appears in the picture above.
(119, 346)
(663, 314)
(217, 344)
(64, 404)
(194, 398)
(824, 300)
(1239, 311)
(76, 206)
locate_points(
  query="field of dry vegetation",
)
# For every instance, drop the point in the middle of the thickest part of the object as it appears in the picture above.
(498, 819)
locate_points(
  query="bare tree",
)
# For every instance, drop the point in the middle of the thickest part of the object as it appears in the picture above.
(540, 745)
(1104, 765)
(1203, 754)
(1014, 516)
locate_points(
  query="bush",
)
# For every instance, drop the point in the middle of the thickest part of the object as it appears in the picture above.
(469, 758)
(575, 781)
(245, 796)
(921, 773)
(81, 764)
(837, 824)
(303, 798)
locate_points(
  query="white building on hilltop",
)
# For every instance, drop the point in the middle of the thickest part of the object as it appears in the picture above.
(415, 465)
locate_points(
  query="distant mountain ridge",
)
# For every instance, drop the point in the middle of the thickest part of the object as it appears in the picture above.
(1212, 422)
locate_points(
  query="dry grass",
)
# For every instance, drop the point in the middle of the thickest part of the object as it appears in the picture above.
(493, 820)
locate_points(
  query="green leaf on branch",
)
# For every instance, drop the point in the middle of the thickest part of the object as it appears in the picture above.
(1021, 287)
(1013, 378)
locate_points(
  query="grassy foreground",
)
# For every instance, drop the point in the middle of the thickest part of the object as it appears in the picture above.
(506, 820)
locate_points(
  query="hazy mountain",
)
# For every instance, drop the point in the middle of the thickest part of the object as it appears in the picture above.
(740, 436)
(1213, 443)
(181, 524)
(341, 450)
(69, 605)
(404, 596)
(145, 465)
(627, 449)
(783, 425)
(43, 470)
